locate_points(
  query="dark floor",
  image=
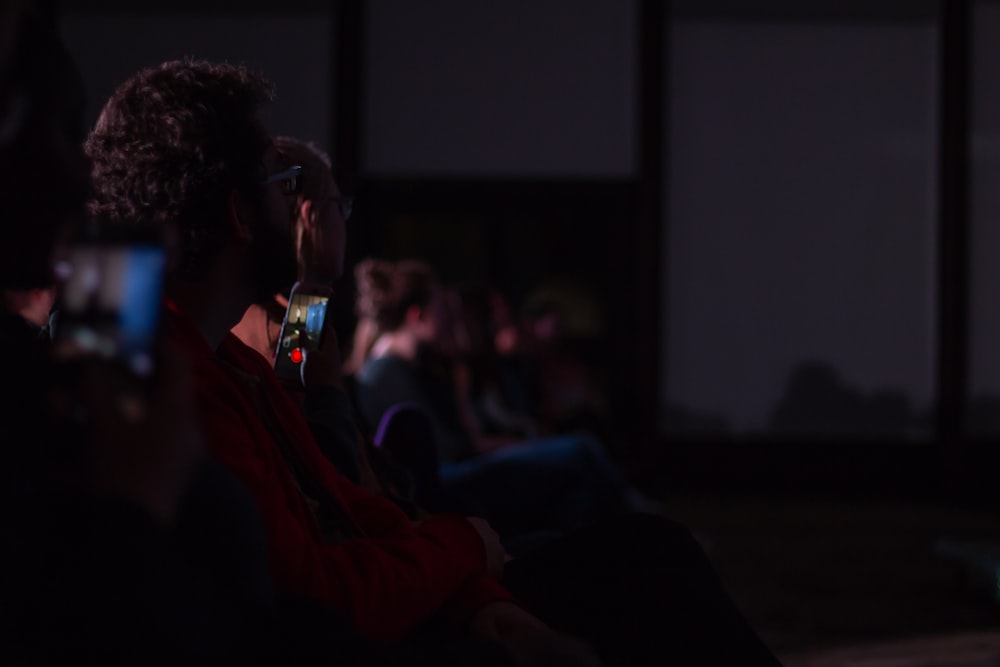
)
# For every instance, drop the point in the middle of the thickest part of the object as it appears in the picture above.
(813, 577)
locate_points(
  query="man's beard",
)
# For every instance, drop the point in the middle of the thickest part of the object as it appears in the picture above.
(274, 264)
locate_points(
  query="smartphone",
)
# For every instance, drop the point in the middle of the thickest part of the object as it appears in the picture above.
(302, 328)
(110, 294)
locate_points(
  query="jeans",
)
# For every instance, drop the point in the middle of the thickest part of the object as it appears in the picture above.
(547, 484)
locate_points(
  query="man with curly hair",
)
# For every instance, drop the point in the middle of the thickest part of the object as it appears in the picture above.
(181, 145)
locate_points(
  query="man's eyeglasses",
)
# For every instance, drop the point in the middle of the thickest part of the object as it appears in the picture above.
(290, 179)
(345, 204)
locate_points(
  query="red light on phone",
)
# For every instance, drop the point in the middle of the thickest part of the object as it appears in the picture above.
(296, 355)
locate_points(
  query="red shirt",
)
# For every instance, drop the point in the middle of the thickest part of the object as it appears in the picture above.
(362, 555)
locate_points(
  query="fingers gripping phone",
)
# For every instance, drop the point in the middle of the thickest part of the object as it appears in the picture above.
(302, 328)
(110, 297)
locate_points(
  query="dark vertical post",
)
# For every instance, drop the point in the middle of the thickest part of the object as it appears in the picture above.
(644, 311)
(347, 26)
(348, 39)
(953, 238)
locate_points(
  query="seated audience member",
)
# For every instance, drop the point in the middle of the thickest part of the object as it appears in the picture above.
(563, 324)
(320, 213)
(186, 137)
(486, 341)
(562, 481)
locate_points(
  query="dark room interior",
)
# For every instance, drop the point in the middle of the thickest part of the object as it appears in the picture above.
(776, 224)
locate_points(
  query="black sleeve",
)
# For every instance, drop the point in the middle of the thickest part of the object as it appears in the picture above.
(330, 414)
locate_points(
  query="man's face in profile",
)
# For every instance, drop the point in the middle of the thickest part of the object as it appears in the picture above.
(329, 235)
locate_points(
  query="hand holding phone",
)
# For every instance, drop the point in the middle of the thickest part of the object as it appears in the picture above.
(324, 367)
(302, 331)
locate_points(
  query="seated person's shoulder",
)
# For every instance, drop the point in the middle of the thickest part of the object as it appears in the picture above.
(377, 366)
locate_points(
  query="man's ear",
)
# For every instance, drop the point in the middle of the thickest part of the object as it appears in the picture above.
(306, 215)
(240, 212)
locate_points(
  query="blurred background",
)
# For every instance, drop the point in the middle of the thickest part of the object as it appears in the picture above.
(773, 226)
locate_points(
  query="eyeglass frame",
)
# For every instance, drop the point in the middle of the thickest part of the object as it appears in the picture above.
(292, 174)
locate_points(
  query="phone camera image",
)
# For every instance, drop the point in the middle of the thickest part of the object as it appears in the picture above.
(315, 316)
(301, 332)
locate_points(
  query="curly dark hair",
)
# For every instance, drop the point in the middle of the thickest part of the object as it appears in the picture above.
(171, 143)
